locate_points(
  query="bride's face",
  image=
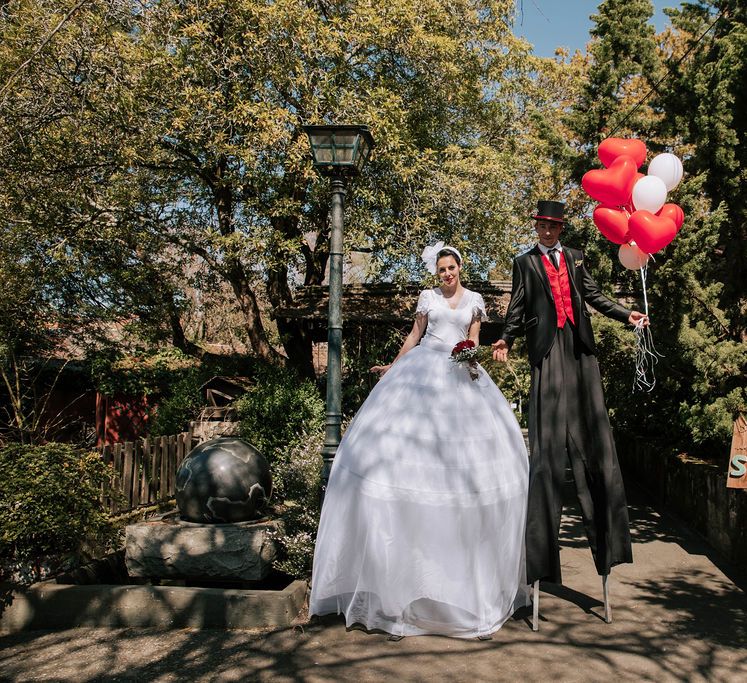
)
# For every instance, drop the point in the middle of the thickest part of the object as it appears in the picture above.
(448, 270)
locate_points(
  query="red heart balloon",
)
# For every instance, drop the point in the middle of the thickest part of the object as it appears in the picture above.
(651, 233)
(674, 212)
(612, 223)
(614, 185)
(612, 148)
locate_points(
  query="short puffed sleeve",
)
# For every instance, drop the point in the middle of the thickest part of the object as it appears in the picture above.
(424, 302)
(478, 308)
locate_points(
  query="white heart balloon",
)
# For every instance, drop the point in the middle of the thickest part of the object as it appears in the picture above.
(649, 194)
(631, 256)
(667, 167)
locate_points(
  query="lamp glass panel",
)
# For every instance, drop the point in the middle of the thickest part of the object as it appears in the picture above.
(363, 152)
(345, 147)
(324, 155)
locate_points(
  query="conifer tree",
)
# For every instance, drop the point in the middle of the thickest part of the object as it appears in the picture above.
(701, 283)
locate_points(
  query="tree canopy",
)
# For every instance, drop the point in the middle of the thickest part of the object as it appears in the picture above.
(153, 163)
(152, 142)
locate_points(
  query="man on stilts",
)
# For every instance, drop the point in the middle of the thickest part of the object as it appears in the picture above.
(567, 414)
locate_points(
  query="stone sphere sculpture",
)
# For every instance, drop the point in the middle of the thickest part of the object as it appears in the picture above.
(221, 481)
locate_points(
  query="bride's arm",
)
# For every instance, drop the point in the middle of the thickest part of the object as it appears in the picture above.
(411, 341)
(474, 331)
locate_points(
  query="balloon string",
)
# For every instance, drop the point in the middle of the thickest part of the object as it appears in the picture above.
(646, 355)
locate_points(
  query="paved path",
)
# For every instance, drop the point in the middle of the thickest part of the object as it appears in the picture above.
(679, 615)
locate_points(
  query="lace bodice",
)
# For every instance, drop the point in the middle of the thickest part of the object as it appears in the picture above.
(448, 325)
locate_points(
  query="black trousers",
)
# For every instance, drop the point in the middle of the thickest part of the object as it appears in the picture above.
(568, 419)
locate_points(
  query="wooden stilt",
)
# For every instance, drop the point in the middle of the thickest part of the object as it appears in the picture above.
(607, 607)
(535, 605)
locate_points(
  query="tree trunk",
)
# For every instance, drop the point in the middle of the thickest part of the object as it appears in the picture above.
(296, 338)
(252, 316)
(178, 338)
(236, 275)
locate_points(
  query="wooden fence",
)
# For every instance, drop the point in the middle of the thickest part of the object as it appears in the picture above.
(145, 470)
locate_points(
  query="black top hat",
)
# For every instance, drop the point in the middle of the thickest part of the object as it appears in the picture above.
(549, 211)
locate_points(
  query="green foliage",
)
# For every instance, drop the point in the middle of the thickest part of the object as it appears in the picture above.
(283, 416)
(705, 105)
(363, 348)
(622, 49)
(50, 505)
(153, 154)
(296, 472)
(699, 288)
(180, 398)
(512, 377)
(278, 409)
(179, 403)
(696, 287)
(630, 411)
(169, 375)
(152, 147)
(115, 373)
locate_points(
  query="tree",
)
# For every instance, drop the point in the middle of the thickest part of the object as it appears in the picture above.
(62, 186)
(703, 105)
(170, 133)
(623, 65)
(695, 290)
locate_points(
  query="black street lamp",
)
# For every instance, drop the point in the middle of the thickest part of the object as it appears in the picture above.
(339, 152)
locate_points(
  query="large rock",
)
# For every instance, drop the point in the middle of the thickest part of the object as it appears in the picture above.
(223, 480)
(171, 548)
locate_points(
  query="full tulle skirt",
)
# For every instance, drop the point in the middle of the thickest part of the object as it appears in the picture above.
(422, 528)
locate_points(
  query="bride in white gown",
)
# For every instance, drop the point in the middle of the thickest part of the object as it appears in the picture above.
(422, 528)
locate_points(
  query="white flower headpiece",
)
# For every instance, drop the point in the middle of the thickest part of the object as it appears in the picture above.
(430, 255)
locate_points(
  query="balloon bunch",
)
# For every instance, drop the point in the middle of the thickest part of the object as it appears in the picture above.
(633, 212)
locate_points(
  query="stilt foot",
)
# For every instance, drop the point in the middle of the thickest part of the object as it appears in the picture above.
(607, 606)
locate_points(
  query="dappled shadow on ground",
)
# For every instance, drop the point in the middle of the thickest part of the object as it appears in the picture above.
(566, 648)
(678, 619)
(647, 525)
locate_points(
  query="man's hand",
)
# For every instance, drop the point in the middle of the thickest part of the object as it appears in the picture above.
(637, 318)
(500, 350)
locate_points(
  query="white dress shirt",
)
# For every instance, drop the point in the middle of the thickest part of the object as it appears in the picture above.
(553, 253)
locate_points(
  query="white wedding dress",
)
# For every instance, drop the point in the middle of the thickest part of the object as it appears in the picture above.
(422, 528)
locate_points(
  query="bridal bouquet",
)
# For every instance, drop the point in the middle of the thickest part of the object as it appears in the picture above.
(465, 352)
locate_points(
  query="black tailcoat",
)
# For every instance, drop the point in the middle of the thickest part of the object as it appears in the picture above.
(567, 417)
(532, 309)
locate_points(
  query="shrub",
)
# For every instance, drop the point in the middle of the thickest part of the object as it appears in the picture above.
(513, 377)
(180, 404)
(283, 416)
(297, 483)
(50, 509)
(115, 373)
(363, 348)
(278, 409)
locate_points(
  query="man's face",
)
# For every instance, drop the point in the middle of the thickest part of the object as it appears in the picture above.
(548, 232)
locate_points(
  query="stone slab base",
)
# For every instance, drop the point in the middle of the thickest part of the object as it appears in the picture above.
(49, 605)
(171, 548)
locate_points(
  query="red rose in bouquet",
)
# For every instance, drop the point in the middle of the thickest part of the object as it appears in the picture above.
(465, 352)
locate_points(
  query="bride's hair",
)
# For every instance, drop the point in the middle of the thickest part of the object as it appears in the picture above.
(448, 251)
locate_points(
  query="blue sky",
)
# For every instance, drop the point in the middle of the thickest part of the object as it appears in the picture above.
(548, 24)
